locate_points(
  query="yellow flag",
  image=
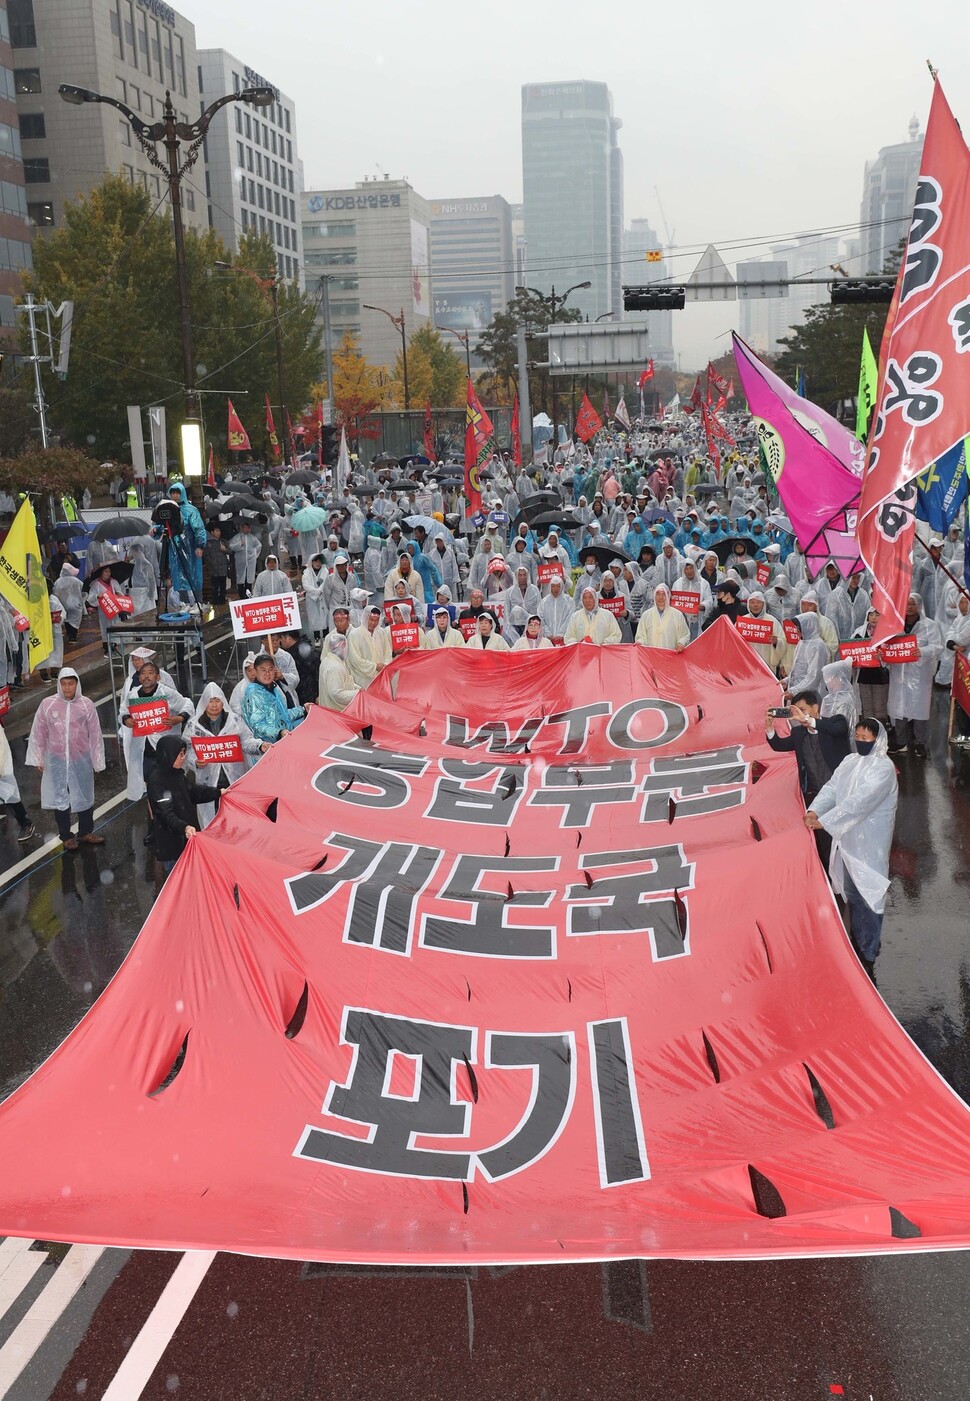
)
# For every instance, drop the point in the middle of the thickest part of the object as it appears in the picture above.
(23, 585)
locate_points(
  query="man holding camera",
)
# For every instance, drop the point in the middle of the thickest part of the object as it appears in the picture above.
(819, 743)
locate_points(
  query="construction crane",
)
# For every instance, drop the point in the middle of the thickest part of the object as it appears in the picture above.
(669, 233)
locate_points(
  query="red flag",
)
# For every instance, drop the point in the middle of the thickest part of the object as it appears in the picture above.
(696, 397)
(645, 375)
(211, 479)
(428, 433)
(588, 421)
(961, 682)
(479, 449)
(606, 406)
(238, 437)
(730, 390)
(720, 404)
(718, 380)
(516, 434)
(274, 442)
(923, 404)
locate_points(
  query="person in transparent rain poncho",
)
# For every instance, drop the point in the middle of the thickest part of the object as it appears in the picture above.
(838, 695)
(857, 807)
(810, 657)
(213, 719)
(66, 745)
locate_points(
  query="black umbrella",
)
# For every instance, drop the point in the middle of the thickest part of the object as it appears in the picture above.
(120, 527)
(558, 520)
(539, 501)
(386, 459)
(67, 532)
(120, 570)
(706, 489)
(603, 554)
(302, 478)
(412, 458)
(242, 501)
(402, 484)
(449, 482)
(724, 549)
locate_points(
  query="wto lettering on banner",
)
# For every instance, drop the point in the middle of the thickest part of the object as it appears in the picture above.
(861, 654)
(793, 633)
(253, 617)
(4, 699)
(112, 604)
(149, 718)
(615, 605)
(759, 630)
(763, 573)
(685, 601)
(227, 750)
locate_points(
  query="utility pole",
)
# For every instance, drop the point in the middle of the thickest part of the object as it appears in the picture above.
(30, 307)
(525, 411)
(328, 343)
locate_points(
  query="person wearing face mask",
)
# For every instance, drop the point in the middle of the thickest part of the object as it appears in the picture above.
(857, 808)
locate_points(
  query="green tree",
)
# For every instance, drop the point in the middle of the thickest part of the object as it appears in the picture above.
(114, 257)
(498, 347)
(827, 347)
(436, 372)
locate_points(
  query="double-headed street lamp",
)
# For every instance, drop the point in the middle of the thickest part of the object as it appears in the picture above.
(270, 283)
(397, 321)
(576, 287)
(463, 337)
(171, 133)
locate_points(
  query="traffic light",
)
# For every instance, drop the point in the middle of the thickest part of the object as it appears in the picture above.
(654, 298)
(850, 291)
(331, 445)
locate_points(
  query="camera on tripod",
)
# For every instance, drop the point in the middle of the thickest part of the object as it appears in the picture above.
(167, 514)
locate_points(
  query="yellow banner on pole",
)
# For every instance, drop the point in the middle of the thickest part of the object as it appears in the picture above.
(23, 585)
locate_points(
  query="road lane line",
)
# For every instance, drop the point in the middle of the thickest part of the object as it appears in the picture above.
(146, 1351)
(18, 1265)
(52, 843)
(44, 1312)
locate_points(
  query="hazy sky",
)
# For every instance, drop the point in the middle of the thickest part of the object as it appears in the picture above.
(754, 120)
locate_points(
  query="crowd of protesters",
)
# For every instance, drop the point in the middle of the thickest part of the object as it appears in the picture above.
(635, 541)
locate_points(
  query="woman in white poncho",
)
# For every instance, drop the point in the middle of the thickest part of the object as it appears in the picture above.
(213, 719)
(838, 695)
(592, 623)
(532, 639)
(487, 638)
(66, 745)
(337, 686)
(810, 656)
(662, 625)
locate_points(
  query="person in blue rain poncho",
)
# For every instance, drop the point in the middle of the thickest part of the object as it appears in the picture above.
(185, 551)
(264, 706)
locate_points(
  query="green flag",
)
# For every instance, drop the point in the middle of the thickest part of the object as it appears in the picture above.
(868, 376)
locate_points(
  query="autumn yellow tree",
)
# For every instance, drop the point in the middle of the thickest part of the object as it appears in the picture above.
(436, 372)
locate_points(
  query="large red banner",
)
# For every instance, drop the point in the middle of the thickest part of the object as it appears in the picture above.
(546, 969)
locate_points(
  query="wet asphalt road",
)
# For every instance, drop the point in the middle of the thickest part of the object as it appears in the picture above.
(877, 1328)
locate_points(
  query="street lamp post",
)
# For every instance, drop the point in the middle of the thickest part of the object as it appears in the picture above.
(270, 284)
(397, 321)
(171, 133)
(576, 287)
(463, 337)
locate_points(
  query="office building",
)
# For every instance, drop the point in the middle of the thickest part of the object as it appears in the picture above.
(252, 166)
(473, 257)
(765, 320)
(14, 228)
(133, 50)
(888, 192)
(372, 245)
(639, 240)
(572, 177)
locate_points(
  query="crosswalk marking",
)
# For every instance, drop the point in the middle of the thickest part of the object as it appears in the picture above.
(18, 1265)
(143, 1356)
(44, 1312)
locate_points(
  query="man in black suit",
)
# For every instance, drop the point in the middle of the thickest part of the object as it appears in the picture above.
(819, 743)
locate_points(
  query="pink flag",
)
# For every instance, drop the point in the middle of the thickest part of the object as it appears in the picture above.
(818, 491)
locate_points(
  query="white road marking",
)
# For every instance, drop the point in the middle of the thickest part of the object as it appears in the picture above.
(143, 1356)
(18, 1265)
(52, 843)
(44, 1312)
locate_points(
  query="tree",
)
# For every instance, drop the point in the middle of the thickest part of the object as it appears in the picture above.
(51, 472)
(360, 389)
(827, 348)
(498, 347)
(436, 372)
(115, 259)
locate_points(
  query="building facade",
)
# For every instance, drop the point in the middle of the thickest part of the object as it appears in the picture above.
(15, 254)
(638, 271)
(252, 167)
(888, 192)
(473, 256)
(371, 246)
(572, 178)
(133, 50)
(765, 320)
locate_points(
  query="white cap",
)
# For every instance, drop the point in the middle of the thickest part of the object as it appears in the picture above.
(341, 559)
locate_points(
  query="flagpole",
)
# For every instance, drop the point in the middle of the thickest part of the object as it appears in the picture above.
(940, 565)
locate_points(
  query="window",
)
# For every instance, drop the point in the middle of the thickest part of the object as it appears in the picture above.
(130, 172)
(249, 157)
(9, 141)
(252, 192)
(14, 254)
(286, 114)
(279, 235)
(8, 88)
(157, 187)
(289, 176)
(276, 200)
(128, 25)
(143, 41)
(149, 104)
(276, 181)
(249, 127)
(32, 126)
(156, 37)
(13, 200)
(235, 82)
(289, 151)
(37, 170)
(259, 165)
(259, 192)
(125, 132)
(238, 121)
(190, 198)
(27, 80)
(20, 13)
(122, 93)
(241, 154)
(272, 142)
(265, 137)
(286, 235)
(292, 212)
(345, 308)
(41, 215)
(8, 316)
(4, 27)
(245, 218)
(134, 96)
(180, 65)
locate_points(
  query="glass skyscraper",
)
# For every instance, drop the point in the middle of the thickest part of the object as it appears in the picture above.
(572, 177)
